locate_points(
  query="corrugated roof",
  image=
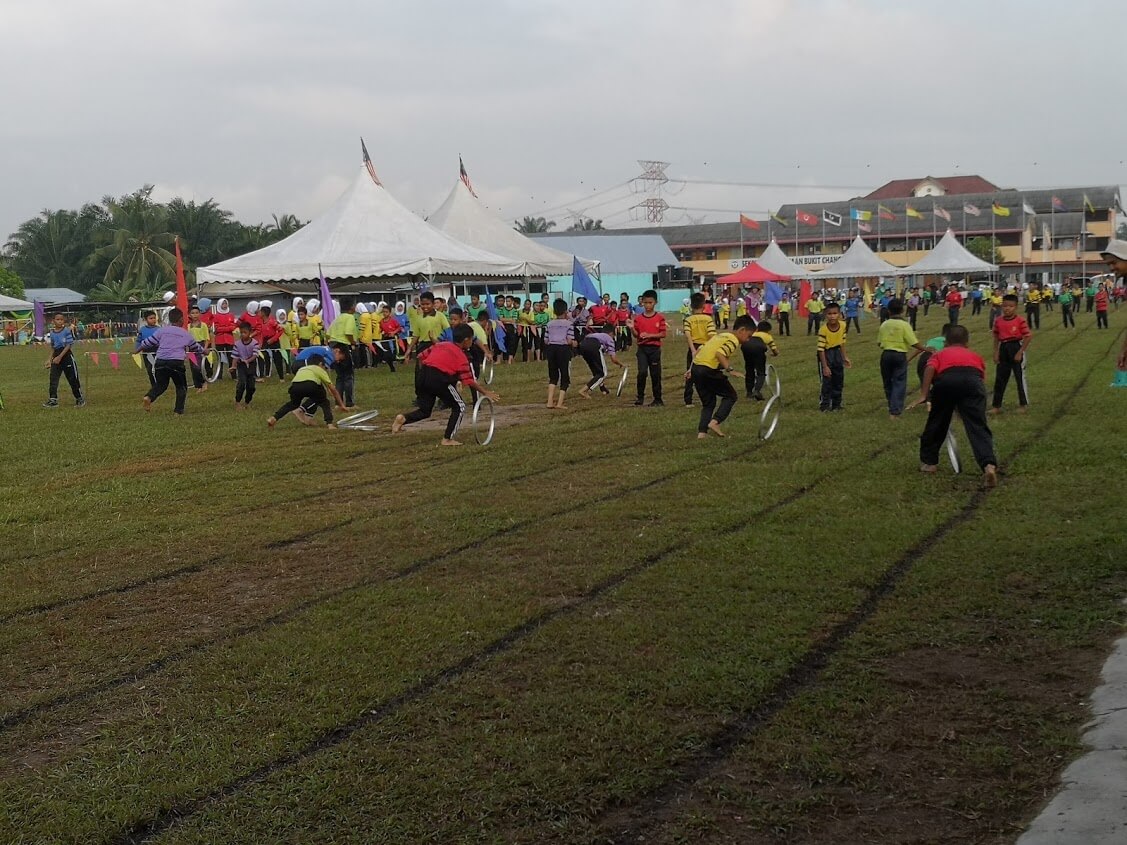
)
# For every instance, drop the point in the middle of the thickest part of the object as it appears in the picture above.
(618, 252)
(953, 185)
(53, 295)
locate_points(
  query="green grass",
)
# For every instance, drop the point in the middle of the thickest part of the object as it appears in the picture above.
(567, 636)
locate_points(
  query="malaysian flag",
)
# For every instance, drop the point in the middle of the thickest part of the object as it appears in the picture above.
(941, 212)
(465, 177)
(368, 164)
(972, 210)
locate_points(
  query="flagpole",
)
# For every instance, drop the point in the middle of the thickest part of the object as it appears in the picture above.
(741, 261)
(933, 224)
(993, 229)
(1021, 238)
(1052, 241)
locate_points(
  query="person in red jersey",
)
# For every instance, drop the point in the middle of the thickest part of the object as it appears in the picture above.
(649, 330)
(1011, 339)
(955, 380)
(954, 303)
(441, 366)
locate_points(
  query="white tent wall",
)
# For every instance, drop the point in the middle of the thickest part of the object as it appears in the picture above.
(949, 256)
(859, 261)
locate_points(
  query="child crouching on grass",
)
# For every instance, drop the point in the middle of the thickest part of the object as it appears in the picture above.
(310, 390)
(711, 365)
(441, 367)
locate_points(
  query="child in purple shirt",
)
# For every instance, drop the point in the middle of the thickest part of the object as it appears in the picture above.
(172, 343)
(244, 355)
(594, 347)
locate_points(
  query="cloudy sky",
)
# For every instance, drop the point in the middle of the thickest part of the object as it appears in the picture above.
(261, 103)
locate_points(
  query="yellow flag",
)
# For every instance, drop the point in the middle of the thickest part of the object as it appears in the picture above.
(136, 356)
(868, 285)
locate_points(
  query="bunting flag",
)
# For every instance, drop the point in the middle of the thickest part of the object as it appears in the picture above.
(864, 227)
(181, 286)
(114, 360)
(885, 213)
(804, 217)
(465, 177)
(747, 221)
(581, 284)
(911, 212)
(972, 210)
(1058, 205)
(858, 214)
(831, 218)
(136, 356)
(805, 291)
(117, 344)
(328, 311)
(1026, 208)
(368, 164)
(1088, 205)
(1000, 210)
(941, 212)
(778, 219)
(94, 356)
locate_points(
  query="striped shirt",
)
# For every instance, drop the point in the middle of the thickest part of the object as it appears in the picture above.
(559, 332)
(698, 328)
(724, 344)
(831, 338)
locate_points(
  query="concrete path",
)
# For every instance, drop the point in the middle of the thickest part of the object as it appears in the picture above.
(1091, 807)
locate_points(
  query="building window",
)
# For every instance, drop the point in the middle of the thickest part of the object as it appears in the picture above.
(710, 255)
(924, 243)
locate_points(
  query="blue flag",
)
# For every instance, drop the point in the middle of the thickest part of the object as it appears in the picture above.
(498, 327)
(773, 294)
(581, 284)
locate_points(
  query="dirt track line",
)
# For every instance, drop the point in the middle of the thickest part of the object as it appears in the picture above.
(651, 809)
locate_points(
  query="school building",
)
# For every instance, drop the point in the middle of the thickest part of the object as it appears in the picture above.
(1041, 235)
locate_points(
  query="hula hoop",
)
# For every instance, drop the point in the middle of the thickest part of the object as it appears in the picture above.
(211, 367)
(953, 452)
(357, 422)
(487, 371)
(769, 421)
(482, 430)
(773, 373)
(622, 381)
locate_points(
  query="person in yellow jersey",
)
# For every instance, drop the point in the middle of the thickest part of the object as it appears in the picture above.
(1033, 298)
(427, 326)
(202, 334)
(895, 338)
(815, 307)
(698, 328)
(755, 350)
(710, 369)
(364, 320)
(995, 306)
(833, 360)
(316, 321)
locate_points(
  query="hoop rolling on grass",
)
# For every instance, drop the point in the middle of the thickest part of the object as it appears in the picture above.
(773, 375)
(622, 381)
(769, 418)
(483, 420)
(358, 422)
(953, 451)
(487, 369)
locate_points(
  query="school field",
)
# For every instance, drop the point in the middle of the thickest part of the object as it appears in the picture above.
(597, 629)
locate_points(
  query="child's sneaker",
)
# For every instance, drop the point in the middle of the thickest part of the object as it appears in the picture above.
(80, 402)
(657, 403)
(51, 403)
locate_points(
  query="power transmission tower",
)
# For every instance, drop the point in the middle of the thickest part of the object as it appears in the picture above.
(651, 182)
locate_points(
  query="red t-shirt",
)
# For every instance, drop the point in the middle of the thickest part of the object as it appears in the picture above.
(649, 325)
(956, 356)
(954, 299)
(1101, 300)
(390, 327)
(271, 331)
(1013, 328)
(599, 314)
(224, 326)
(449, 358)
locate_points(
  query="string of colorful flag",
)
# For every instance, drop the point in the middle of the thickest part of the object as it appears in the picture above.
(863, 217)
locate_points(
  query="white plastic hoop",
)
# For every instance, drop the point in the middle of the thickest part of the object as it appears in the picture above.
(487, 370)
(622, 381)
(769, 419)
(215, 367)
(358, 422)
(953, 452)
(773, 374)
(483, 430)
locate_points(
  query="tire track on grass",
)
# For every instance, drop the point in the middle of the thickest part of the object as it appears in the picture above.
(652, 809)
(144, 830)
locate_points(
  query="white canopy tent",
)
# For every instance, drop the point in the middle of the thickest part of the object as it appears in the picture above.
(775, 260)
(949, 256)
(366, 233)
(859, 262)
(462, 216)
(10, 303)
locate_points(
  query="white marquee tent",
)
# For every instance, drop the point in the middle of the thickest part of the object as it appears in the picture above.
(366, 233)
(775, 260)
(949, 256)
(858, 262)
(462, 216)
(10, 303)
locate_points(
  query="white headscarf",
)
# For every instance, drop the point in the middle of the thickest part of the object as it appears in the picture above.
(223, 307)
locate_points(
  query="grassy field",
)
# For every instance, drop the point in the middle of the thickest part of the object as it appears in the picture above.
(597, 629)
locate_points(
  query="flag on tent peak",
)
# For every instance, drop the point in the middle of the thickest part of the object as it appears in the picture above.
(465, 177)
(368, 164)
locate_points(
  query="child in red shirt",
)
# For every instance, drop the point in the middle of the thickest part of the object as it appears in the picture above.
(1101, 307)
(649, 329)
(1011, 339)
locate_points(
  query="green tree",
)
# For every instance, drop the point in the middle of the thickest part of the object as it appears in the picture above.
(985, 248)
(10, 283)
(283, 226)
(115, 291)
(137, 242)
(50, 249)
(201, 228)
(532, 225)
(585, 224)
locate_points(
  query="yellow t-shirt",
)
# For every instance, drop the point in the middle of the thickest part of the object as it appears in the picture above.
(365, 322)
(996, 299)
(1033, 295)
(896, 335)
(815, 305)
(318, 325)
(724, 343)
(830, 338)
(312, 372)
(698, 328)
(766, 338)
(201, 333)
(427, 329)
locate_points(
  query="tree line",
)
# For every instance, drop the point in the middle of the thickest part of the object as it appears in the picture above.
(122, 249)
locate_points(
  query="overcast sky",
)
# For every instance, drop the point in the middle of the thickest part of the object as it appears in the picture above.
(261, 103)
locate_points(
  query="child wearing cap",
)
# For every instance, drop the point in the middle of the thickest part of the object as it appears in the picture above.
(310, 390)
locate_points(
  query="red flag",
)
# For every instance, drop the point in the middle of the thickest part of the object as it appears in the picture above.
(181, 285)
(803, 217)
(747, 221)
(805, 292)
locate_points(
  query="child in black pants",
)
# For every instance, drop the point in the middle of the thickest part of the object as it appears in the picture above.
(755, 350)
(649, 329)
(310, 390)
(345, 368)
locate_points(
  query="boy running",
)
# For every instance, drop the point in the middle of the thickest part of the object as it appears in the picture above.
(594, 347)
(171, 343)
(62, 363)
(244, 357)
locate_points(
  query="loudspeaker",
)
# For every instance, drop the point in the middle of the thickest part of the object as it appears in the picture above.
(664, 273)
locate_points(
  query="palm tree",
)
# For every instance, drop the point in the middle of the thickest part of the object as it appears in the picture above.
(47, 250)
(585, 224)
(532, 225)
(283, 226)
(115, 291)
(200, 228)
(139, 241)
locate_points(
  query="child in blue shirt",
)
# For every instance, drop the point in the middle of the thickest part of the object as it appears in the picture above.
(144, 332)
(853, 311)
(62, 363)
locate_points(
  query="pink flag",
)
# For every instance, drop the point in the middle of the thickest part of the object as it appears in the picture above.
(113, 360)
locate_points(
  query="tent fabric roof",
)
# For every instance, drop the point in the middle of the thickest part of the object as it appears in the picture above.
(619, 254)
(52, 296)
(463, 216)
(365, 233)
(750, 274)
(949, 256)
(775, 260)
(10, 303)
(858, 261)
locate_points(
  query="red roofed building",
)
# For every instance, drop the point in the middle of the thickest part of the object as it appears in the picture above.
(931, 186)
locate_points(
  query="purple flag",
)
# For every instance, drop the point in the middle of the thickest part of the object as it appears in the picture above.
(328, 312)
(40, 319)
